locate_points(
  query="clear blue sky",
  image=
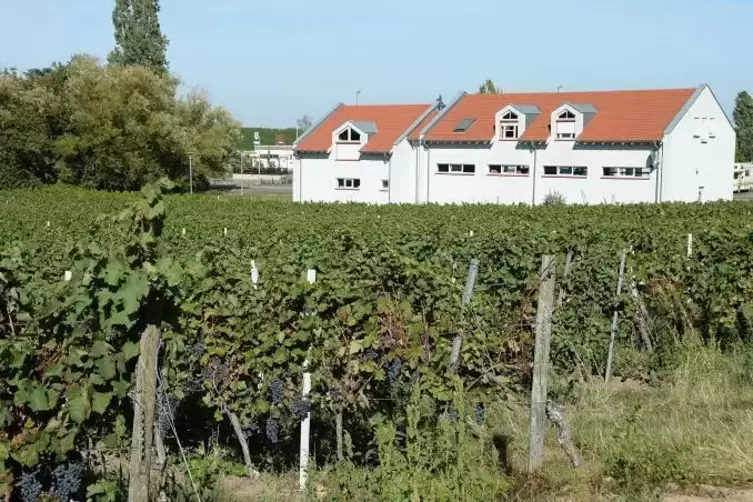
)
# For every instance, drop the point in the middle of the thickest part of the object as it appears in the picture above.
(270, 62)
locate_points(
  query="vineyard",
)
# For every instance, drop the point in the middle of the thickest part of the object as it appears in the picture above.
(228, 284)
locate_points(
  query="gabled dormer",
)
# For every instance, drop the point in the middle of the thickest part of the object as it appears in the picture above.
(350, 137)
(512, 121)
(569, 120)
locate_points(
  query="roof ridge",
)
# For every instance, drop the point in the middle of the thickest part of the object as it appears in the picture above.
(601, 91)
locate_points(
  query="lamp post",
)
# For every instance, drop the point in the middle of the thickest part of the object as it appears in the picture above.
(358, 95)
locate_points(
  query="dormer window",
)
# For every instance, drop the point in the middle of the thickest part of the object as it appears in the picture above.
(566, 125)
(508, 126)
(349, 136)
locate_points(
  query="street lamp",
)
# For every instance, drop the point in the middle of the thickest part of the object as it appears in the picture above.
(358, 94)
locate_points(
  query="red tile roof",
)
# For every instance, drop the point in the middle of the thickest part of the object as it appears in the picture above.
(622, 115)
(391, 120)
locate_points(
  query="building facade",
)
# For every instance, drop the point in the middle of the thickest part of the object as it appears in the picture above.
(582, 147)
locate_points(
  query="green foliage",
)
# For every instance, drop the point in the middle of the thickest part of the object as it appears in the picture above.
(114, 128)
(376, 328)
(743, 119)
(138, 37)
(554, 199)
(267, 136)
(488, 87)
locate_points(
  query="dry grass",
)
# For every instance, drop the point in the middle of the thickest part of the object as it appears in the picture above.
(265, 488)
(637, 440)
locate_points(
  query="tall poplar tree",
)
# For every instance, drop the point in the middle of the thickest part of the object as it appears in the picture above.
(743, 118)
(138, 37)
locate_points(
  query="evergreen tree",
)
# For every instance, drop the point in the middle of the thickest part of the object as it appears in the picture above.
(488, 87)
(138, 37)
(743, 118)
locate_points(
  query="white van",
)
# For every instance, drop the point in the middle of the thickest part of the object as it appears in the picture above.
(743, 177)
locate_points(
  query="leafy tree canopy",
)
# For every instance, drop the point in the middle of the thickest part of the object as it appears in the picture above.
(138, 36)
(743, 118)
(107, 127)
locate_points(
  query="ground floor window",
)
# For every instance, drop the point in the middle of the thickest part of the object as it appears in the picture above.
(349, 183)
(520, 170)
(626, 172)
(456, 168)
(571, 171)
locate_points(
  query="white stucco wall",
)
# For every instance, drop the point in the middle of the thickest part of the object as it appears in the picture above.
(403, 174)
(689, 163)
(315, 180)
(509, 189)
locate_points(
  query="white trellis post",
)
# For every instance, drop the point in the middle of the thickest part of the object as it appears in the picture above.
(690, 245)
(306, 423)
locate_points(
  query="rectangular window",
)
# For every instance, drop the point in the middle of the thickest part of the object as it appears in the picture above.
(566, 129)
(509, 131)
(348, 183)
(626, 172)
(519, 170)
(385, 184)
(567, 171)
(456, 168)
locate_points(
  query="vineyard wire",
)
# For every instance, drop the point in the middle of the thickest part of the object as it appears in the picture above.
(177, 439)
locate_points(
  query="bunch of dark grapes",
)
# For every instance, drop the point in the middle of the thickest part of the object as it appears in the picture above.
(251, 429)
(66, 480)
(273, 430)
(300, 408)
(370, 355)
(166, 408)
(277, 390)
(31, 488)
(198, 349)
(394, 369)
(480, 413)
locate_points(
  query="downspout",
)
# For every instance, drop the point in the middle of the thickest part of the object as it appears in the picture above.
(418, 150)
(389, 181)
(659, 149)
(428, 173)
(533, 186)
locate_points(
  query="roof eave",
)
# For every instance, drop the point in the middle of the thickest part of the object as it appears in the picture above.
(318, 124)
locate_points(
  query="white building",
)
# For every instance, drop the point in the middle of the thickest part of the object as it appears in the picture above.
(743, 176)
(272, 156)
(588, 147)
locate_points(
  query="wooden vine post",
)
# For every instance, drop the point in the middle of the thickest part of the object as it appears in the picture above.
(615, 319)
(457, 342)
(541, 363)
(144, 408)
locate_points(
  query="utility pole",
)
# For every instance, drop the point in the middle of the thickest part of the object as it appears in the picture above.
(190, 173)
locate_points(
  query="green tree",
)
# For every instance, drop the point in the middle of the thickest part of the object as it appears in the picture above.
(127, 128)
(488, 87)
(27, 155)
(743, 118)
(138, 36)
